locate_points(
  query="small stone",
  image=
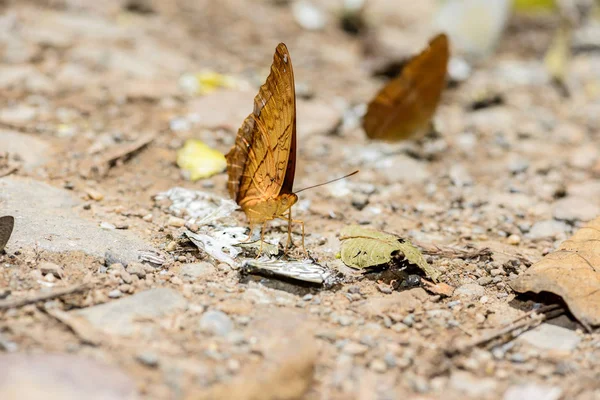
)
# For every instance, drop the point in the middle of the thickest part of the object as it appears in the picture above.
(378, 365)
(175, 280)
(171, 246)
(195, 271)
(126, 277)
(518, 165)
(49, 278)
(552, 337)
(514, 240)
(497, 272)
(360, 200)
(94, 194)
(470, 290)
(216, 323)
(573, 209)
(484, 281)
(308, 16)
(532, 391)
(137, 269)
(176, 222)
(355, 349)
(115, 294)
(307, 297)
(148, 358)
(51, 268)
(548, 229)
(148, 217)
(107, 226)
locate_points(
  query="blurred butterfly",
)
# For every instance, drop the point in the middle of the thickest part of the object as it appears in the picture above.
(7, 224)
(404, 107)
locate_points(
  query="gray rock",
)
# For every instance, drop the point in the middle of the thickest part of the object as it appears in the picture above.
(551, 337)
(148, 358)
(62, 377)
(136, 268)
(402, 168)
(532, 391)
(195, 271)
(548, 229)
(573, 209)
(118, 317)
(45, 217)
(470, 290)
(32, 151)
(471, 385)
(216, 323)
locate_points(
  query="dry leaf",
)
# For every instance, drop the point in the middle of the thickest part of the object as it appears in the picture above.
(199, 160)
(363, 248)
(572, 272)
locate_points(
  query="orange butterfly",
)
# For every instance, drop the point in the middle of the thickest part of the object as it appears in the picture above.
(405, 106)
(262, 162)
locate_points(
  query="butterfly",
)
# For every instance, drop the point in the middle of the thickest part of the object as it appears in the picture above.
(7, 224)
(403, 108)
(262, 162)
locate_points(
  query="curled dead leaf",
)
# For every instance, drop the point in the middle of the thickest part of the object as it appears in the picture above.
(572, 272)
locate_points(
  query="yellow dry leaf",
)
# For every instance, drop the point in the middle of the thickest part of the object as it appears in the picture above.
(572, 272)
(205, 82)
(363, 248)
(199, 160)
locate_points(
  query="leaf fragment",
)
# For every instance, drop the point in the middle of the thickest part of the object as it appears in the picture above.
(366, 248)
(199, 160)
(572, 272)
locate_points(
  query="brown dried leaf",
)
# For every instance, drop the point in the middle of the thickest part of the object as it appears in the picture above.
(572, 272)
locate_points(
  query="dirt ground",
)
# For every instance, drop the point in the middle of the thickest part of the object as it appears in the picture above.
(82, 80)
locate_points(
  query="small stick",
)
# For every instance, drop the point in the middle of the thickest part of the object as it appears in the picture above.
(518, 323)
(16, 303)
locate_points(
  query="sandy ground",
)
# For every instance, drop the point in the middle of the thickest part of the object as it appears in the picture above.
(81, 81)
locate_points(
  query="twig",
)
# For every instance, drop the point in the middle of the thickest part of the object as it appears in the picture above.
(16, 303)
(452, 252)
(538, 315)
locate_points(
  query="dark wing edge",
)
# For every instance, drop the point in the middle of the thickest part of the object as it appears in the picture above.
(7, 223)
(288, 182)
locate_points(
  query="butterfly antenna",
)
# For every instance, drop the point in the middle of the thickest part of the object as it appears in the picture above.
(325, 183)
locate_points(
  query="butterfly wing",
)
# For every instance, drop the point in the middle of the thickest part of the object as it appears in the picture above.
(405, 106)
(7, 224)
(262, 162)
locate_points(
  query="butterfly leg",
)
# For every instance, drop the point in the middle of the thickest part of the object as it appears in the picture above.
(262, 238)
(301, 224)
(289, 241)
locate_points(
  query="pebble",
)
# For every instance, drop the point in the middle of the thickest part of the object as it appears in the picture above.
(548, 229)
(552, 337)
(532, 391)
(197, 270)
(176, 222)
(354, 348)
(120, 317)
(94, 194)
(470, 290)
(308, 16)
(51, 268)
(514, 239)
(378, 365)
(115, 294)
(360, 200)
(216, 323)
(148, 358)
(107, 226)
(137, 269)
(573, 209)
(484, 281)
(497, 272)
